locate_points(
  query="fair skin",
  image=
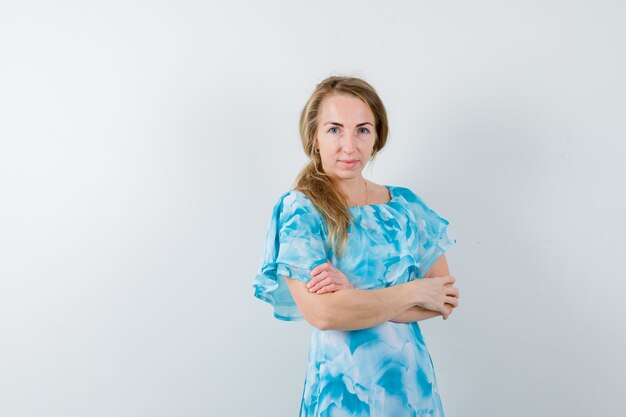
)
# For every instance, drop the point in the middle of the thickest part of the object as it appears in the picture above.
(354, 309)
(326, 279)
(346, 136)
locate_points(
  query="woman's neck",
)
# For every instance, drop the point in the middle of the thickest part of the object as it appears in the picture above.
(355, 190)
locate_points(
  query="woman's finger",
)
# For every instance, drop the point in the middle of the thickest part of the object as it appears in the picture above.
(318, 271)
(453, 301)
(448, 306)
(320, 284)
(328, 288)
(452, 291)
(320, 268)
(322, 275)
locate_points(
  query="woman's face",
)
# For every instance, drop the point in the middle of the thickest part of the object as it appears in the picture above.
(345, 135)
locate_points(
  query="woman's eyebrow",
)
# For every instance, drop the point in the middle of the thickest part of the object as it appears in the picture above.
(340, 125)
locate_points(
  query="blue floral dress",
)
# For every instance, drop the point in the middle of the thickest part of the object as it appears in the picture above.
(381, 371)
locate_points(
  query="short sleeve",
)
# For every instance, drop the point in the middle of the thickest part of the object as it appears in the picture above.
(294, 244)
(431, 236)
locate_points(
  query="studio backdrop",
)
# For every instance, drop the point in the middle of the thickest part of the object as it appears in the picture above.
(144, 144)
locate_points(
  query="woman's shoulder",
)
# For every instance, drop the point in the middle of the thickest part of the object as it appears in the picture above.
(396, 191)
(415, 203)
(295, 211)
(295, 203)
(407, 197)
(294, 197)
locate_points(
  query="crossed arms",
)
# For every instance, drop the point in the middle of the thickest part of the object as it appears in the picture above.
(332, 304)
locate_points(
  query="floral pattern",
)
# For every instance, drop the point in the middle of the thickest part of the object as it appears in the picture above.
(384, 370)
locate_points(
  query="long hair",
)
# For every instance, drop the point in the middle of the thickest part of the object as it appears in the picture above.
(312, 180)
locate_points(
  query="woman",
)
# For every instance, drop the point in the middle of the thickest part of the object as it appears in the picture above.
(346, 254)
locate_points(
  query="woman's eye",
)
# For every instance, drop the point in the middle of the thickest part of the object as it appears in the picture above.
(333, 130)
(364, 130)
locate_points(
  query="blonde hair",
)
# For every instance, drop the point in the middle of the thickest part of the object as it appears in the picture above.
(312, 180)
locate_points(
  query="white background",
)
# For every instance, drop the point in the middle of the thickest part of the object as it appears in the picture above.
(143, 145)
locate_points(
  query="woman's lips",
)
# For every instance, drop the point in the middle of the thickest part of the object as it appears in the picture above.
(348, 164)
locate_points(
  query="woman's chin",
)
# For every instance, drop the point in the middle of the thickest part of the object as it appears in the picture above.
(344, 175)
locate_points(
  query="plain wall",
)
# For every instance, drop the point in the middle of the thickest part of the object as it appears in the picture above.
(143, 145)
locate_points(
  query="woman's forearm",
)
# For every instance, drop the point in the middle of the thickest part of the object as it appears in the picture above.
(415, 313)
(353, 309)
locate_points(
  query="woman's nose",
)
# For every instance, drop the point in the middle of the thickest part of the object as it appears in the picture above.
(348, 142)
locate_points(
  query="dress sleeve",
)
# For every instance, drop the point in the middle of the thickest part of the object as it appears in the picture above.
(294, 244)
(431, 239)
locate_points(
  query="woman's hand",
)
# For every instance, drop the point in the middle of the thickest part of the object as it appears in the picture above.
(438, 294)
(326, 278)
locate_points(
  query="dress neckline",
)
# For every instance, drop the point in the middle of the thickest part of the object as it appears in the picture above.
(391, 198)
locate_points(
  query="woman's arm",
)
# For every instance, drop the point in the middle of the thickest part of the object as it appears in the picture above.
(327, 279)
(353, 309)
(416, 313)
